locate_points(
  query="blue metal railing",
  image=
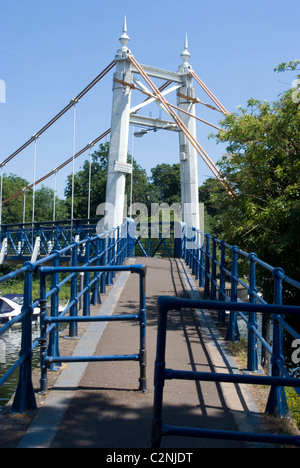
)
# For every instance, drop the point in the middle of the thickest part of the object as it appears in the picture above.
(155, 239)
(110, 249)
(50, 354)
(21, 240)
(165, 304)
(208, 258)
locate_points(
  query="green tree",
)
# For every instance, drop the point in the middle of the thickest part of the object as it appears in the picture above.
(44, 201)
(12, 211)
(208, 193)
(166, 179)
(99, 164)
(262, 165)
(141, 191)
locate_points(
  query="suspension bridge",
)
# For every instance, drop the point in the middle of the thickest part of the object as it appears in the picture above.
(142, 297)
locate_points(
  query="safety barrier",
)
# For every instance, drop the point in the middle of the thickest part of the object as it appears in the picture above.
(165, 304)
(109, 249)
(27, 241)
(155, 239)
(208, 259)
(48, 359)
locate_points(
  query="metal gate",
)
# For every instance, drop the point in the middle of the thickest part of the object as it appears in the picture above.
(154, 239)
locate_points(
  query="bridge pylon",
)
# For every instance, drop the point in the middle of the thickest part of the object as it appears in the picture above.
(117, 163)
(122, 115)
(188, 153)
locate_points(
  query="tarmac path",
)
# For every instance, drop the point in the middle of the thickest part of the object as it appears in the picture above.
(97, 405)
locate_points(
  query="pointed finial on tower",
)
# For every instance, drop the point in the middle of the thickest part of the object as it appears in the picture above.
(124, 39)
(185, 54)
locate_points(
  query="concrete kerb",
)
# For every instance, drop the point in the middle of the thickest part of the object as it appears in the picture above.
(237, 397)
(43, 429)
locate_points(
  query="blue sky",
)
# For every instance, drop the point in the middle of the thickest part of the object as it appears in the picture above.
(51, 49)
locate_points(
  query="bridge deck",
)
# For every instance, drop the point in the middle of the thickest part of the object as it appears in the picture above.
(97, 404)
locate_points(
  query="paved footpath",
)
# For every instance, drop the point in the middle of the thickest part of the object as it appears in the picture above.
(96, 405)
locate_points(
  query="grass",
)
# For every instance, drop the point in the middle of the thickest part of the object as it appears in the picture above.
(16, 286)
(238, 350)
(260, 393)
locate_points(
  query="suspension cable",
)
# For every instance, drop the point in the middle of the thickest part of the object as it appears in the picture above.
(54, 198)
(61, 113)
(24, 205)
(34, 178)
(68, 161)
(210, 94)
(73, 161)
(90, 182)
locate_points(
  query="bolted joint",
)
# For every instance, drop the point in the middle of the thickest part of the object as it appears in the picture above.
(278, 273)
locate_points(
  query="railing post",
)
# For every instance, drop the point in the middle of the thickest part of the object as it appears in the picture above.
(117, 247)
(178, 239)
(53, 347)
(184, 250)
(143, 320)
(43, 336)
(103, 263)
(96, 299)
(277, 403)
(86, 283)
(207, 267)
(201, 259)
(109, 280)
(233, 333)
(160, 365)
(73, 326)
(213, 289)
(24, 399)
(252, 325)
(222, 313)
(194, 250)
(197, 254)
(130, 228)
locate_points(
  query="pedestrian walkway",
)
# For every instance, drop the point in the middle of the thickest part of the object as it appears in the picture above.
(97, 405)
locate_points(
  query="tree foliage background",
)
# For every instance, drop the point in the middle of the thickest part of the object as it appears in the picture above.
(262, 165)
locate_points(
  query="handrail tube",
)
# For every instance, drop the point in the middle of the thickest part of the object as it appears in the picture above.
(94, 318)
(176, 303)
(12, 369)
(49, 358)
(170, 374)
(262, 340)
(90, 269)
(14, 320)
(118, 357)
(168, 430)
(14, 274)
(166, 304)
(292, 282)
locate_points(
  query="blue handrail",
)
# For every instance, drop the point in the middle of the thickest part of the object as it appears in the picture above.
(52, 235)
(208, 258)
(110, 249)
(166, 304)
(52, 355)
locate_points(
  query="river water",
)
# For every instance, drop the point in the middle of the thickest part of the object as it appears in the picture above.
(10, 345)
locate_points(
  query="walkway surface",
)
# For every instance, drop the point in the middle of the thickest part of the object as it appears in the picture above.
(96, 405)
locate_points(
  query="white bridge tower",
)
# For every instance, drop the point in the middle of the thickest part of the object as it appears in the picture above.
(125, 80)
